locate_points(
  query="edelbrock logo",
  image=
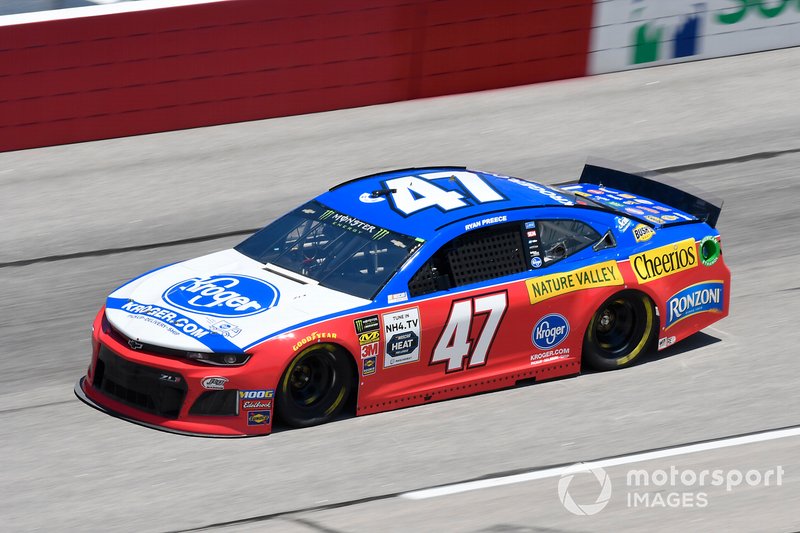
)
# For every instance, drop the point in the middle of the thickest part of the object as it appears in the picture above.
(224, 295)
(550, 331)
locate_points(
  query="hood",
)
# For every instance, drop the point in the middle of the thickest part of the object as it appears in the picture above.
(223, 302)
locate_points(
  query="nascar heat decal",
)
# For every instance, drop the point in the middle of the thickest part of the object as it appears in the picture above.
(401, 330)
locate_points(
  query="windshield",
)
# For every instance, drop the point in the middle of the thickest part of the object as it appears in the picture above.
(339, 251)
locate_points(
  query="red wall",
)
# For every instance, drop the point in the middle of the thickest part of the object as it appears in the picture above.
(124, 74)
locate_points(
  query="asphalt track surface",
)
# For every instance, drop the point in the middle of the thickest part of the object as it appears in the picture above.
(79, 220)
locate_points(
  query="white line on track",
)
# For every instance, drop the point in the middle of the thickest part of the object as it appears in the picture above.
(557, 471)
(100, 9)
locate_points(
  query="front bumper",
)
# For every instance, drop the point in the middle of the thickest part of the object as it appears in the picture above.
(170, 426)
(175, 394)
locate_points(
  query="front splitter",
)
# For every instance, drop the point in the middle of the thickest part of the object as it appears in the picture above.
(81, 394)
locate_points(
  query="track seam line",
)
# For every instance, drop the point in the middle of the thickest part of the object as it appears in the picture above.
(124, 249)
(549, 470)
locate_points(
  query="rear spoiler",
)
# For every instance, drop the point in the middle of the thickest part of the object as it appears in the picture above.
(641, 183)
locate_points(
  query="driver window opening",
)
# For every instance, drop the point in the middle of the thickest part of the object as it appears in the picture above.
(480, 255)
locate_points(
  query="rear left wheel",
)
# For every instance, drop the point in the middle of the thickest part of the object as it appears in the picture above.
(315, 386)
(620, 331)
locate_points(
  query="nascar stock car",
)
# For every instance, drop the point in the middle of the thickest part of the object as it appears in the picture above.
(406, 287)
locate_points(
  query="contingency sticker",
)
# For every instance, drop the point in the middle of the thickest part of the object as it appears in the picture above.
(600, 275)
(401, 334)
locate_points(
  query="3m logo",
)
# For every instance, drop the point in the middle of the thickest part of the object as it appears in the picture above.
(370, 350)
(664, 261)
(369, 337)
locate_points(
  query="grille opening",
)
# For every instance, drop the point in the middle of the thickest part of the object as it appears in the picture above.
(152, 390)
(221, 403)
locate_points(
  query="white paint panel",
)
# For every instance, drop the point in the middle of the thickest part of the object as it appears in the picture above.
(297, 303)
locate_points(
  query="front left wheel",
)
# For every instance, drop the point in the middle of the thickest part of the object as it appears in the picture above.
(315, 386)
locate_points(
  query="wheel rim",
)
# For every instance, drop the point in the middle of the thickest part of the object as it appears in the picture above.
(615, 327)
(311, 378)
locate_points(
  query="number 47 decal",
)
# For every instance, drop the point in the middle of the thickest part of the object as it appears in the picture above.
(455, 344)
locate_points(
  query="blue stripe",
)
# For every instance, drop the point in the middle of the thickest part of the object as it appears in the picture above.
(176, 321)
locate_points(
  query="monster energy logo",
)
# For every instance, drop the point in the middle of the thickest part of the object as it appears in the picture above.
(367, 323)
(353, 224)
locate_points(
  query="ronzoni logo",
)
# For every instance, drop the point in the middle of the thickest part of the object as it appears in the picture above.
(600, 275)
(664, 261)
(550, 331)
(700, 298)
(225, 295)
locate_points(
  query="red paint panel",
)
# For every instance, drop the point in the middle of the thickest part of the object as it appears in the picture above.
(125, 74)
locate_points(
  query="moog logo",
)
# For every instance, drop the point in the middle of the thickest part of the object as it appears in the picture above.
(225, 295)
(550, 331)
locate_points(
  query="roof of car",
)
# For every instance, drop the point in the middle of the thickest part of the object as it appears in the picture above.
(420, 201)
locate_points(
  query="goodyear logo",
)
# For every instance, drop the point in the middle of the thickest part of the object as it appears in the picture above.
(369, 337)
(664, 261)
(600, 275)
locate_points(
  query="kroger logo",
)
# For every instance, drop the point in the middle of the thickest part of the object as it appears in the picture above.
(550, 331)
(225, 295)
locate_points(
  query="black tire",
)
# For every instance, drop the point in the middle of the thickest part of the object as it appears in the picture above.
(315, 386)
(620, 331)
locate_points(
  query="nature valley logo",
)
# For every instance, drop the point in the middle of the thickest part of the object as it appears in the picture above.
(600, 275)
(664, 261)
